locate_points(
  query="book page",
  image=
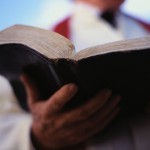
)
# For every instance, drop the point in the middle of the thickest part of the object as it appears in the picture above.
(46, 42)
(125, 45)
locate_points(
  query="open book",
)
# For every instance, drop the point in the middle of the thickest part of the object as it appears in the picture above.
(50, 61)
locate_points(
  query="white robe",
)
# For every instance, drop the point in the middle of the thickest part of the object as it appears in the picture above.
(87, 29)
(14, 122)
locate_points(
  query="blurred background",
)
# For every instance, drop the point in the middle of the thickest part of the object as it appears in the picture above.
(46, 13)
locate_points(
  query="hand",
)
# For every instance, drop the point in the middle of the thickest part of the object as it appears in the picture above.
(53, 129)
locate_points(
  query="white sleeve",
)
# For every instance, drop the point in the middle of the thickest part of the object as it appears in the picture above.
(15, 132)
(15, 124)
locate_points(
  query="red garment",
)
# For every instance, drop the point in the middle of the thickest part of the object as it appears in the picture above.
(145, 25)
(63, 28)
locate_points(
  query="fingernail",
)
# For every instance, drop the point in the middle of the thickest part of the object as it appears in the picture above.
(106, 91)
(72, 87)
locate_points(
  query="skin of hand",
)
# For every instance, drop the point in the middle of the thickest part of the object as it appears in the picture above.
(53, 129)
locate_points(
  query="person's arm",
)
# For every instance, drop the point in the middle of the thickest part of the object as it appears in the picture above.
(53, 129)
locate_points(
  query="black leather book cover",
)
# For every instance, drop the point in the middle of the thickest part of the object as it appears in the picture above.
(125, 73)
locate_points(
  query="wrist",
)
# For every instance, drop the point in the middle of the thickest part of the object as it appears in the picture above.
(39, 142)
(40, 146)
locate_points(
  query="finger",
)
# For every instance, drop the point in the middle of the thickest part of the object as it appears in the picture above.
(93, 126)
(104, 112)
(96, 127)
(92, 106)
(57, 101)
(108, 107)
(100, 114)
(30, 89)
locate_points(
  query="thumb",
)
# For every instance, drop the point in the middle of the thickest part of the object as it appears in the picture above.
(31, 90)
(57, 101)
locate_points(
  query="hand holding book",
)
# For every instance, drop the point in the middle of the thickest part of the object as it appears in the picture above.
(51, 66)
(51, 125)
